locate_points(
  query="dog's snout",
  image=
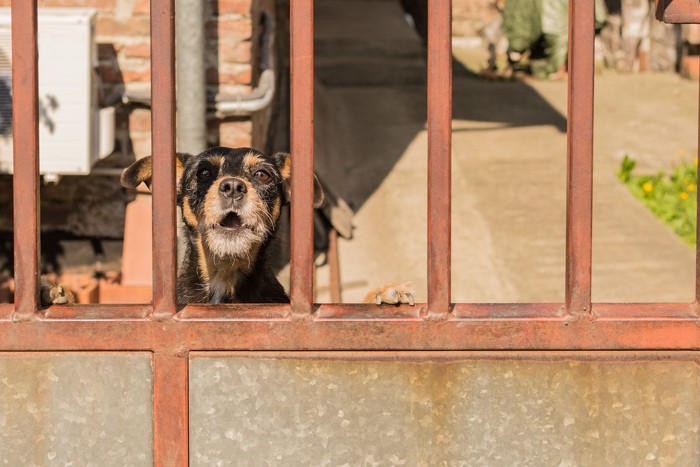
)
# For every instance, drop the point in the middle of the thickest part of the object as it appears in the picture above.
(233, 188)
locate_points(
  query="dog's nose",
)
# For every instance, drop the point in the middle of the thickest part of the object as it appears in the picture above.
(233, 188)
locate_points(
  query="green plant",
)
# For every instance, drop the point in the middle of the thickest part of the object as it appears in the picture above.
(670, 196)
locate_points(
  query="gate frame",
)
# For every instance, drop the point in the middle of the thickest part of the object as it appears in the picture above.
(578, 328)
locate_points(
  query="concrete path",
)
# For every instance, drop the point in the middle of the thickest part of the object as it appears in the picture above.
(509, 169)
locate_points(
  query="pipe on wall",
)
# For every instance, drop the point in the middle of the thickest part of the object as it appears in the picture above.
(191, 78)
(193, 98)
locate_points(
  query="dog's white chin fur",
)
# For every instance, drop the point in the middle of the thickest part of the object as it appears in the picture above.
(232, 244)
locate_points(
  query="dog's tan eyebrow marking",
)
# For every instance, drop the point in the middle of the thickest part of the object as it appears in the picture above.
(216, 160)
(251, 160)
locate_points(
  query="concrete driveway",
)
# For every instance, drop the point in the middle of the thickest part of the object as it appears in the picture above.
(509, 169)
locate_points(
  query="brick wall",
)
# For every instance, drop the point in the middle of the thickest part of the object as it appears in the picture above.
(122, 30)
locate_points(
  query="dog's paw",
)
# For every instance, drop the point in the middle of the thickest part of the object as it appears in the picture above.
(392, 294)
(55, 294)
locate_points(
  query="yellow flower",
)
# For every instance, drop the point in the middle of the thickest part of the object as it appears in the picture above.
(696, 160)
(647, 187)
(684, 195)
(691, 187)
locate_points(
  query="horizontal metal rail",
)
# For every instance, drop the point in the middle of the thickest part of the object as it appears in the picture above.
(337, 327)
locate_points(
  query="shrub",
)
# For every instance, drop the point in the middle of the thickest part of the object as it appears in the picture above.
(670, 196)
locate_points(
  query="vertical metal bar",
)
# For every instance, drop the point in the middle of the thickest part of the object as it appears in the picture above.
(25, 92)
(334, 266)
(302, 134)
(170, 382)
(439, 155)
(163, 140)
(170, 409)
(579, 194)
(697, 226)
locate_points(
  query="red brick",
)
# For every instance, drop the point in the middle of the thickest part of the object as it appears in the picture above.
(102, 5)
(243, 77)
(99, 4)
(142, 50)
(236, 133)
(239, 7)
(240, 52)
(226, 29)
(131, 76)
(142, 7)
(134, 26)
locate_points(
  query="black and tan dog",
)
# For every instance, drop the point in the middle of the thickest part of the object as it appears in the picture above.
(231, 201)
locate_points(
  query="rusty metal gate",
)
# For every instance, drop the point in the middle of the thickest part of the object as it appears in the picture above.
(432, 331)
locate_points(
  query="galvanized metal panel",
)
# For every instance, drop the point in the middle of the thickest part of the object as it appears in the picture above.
(262, 411)
(76, 409)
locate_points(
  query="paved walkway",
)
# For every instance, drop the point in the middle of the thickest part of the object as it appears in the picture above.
(509, 169)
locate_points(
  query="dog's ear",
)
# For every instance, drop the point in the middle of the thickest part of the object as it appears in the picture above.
(138, 172)
(283, 161)
(141, 171)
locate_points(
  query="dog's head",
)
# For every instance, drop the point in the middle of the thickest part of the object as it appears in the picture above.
(231, 197)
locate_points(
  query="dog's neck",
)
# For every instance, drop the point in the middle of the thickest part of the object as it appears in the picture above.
(224, 274)
(204, 278)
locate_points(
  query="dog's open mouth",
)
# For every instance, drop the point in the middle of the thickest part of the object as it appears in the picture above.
(232, 221)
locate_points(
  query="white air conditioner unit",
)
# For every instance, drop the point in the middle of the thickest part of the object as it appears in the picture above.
(69, 120)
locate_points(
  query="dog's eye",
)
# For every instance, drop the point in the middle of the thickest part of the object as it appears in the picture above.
(203, 174)
(262, 175)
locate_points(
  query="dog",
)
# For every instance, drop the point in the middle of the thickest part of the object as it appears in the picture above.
(231, 200)
(53, 293)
